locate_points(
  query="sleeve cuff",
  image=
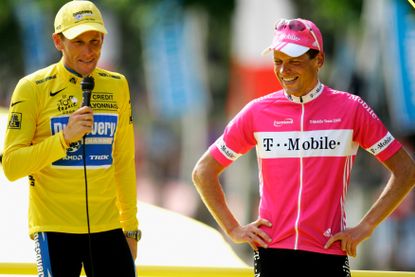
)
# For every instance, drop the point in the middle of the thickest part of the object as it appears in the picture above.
(62, 140)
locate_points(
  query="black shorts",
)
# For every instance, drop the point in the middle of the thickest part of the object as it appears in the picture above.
(64, 254)
(273, 262)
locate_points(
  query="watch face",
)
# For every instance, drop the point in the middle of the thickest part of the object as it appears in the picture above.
(133, 234)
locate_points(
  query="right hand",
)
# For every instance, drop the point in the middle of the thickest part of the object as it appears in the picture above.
(252, 234)
(79, 124)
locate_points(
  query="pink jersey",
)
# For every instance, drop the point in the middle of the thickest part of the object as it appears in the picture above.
(305, 149)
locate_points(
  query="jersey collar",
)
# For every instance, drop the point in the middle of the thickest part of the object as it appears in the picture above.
(68, 70)
(313, 94)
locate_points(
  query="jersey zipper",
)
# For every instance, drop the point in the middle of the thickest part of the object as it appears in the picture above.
(300, 191)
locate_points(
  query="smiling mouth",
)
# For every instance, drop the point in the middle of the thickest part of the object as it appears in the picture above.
(289, 80)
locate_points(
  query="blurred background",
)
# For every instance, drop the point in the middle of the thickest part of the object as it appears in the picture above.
(192, 64)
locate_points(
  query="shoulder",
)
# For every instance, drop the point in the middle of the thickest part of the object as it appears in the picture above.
(109, 76)
(38, 80)
(347, 97)
(266, 100)
(258, 105)
(42, 76)
(350, 101)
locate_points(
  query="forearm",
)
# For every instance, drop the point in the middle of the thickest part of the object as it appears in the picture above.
(20, 161)
(127, 194)
(399, 185)
(390, 198)
(207, 184)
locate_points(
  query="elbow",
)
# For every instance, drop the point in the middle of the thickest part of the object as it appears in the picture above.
(201, 175)
(408, 176)
(196, 175)
(206, 172)
(412, 178)
(411, 173)
(8, 170)
(9, 175)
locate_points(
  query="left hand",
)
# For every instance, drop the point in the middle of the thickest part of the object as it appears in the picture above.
(132, 244)
(350, 238)
(252, 234)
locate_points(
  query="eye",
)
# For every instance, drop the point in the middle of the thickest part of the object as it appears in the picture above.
(277, 62)
(95, 42)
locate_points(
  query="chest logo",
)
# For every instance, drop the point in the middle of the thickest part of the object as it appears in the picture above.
(286, 121)
(55, 92)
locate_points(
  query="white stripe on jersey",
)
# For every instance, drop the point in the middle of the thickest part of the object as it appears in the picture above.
(225, 150)
(382, 144)
(320, 143)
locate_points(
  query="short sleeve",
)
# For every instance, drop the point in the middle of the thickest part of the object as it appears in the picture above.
(237, 138)
(371, 133)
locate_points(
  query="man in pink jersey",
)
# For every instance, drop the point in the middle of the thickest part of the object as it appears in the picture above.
(306, 137)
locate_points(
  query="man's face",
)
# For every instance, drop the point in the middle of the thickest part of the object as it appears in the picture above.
(297, 75)
(82, 53)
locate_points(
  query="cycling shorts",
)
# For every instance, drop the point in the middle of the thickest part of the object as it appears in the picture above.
(101, 254)
(273, 262)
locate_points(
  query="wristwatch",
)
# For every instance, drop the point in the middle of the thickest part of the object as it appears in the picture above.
(133, 234)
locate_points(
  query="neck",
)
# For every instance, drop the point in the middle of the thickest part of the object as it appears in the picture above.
(72, 71)
(307, 97)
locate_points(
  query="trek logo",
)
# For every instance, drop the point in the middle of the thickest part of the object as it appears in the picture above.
(319, 143)
(99, 157)
(56, 92)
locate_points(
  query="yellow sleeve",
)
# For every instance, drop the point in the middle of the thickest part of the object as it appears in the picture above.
(22, 156)
(124, 163)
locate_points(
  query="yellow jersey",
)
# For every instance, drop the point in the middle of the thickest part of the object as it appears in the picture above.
(35, 147)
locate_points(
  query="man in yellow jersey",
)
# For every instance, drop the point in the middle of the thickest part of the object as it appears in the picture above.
(79, 159)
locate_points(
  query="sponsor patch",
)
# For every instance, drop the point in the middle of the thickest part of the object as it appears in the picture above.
(381, 145)
(109, 75)
(38, 82)
(321, 143)
(286, 121)
(225, 150)
(15, 121)
(67, 104)
(98, 143)
(103, 101)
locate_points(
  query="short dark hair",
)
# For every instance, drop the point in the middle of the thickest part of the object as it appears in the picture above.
(312, 53)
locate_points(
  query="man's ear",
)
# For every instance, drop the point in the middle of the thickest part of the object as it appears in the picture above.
(320, 59)
(57, 40)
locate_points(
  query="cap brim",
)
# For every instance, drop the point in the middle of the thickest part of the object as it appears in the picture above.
(75, 31)
(290, 49)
